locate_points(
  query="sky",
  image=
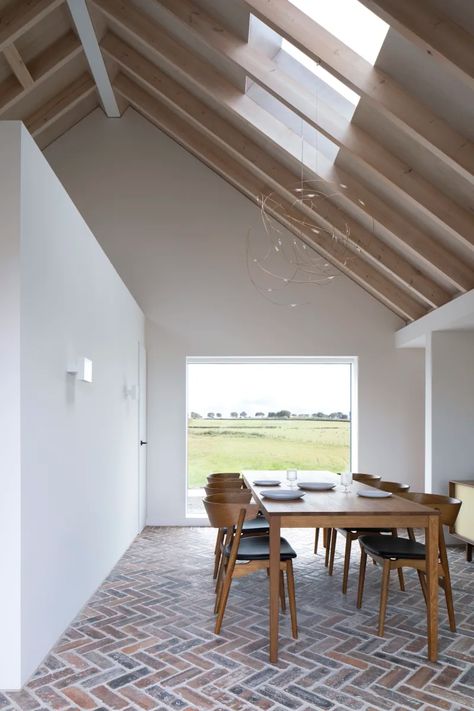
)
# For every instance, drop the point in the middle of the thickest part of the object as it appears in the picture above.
(302, 388)
(352, 23)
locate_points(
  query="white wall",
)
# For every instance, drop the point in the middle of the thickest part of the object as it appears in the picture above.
(449, 408)
(79, 441)
(10, 452)
(176, 233)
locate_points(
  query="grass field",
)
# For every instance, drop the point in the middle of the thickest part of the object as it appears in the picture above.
(232, 445)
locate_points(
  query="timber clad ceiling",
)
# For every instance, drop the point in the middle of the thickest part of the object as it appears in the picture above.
(211, 74)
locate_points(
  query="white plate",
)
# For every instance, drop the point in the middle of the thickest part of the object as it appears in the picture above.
(316, 485)
(267, 482)
(374, 494)
(282, 494)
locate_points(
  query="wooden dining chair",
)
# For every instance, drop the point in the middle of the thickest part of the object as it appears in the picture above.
(243, 555)
(357, 476)
(394, 553)
(252, 527)
(352, 534)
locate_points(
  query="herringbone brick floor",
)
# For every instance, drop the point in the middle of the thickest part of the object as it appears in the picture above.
(145, 640)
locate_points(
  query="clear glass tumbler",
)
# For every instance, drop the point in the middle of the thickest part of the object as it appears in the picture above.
(292, 477)
(346, 481)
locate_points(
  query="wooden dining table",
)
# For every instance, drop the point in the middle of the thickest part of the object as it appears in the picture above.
(337, 509)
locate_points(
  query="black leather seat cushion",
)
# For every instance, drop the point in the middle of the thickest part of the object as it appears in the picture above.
(392, 547)
(256, 525)
(258, 548)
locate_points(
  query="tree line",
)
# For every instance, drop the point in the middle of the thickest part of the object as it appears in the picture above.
(280, 415)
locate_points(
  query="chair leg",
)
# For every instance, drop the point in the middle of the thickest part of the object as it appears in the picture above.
(360, 588)
(292, 598)
(223, 597)
(384, 596)
(401, 579)
(325, 537)
(347, 562)
(448, 593)
(316, 540)
(328, 533)
(422, 579)
(333, 550)
(282, 592)
(217, 552)
(220, 578)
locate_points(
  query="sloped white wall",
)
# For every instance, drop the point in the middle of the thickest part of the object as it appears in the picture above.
(78, 478)
(176, 233)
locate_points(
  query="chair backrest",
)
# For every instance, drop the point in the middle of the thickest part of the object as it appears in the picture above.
(395, 487)
(222, 489)
(226, 513)
(369, 479)
(225, 484)
(223, 475)
(446, 505)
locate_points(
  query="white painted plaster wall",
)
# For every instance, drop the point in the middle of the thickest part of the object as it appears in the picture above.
(449, 408)
(79, 441)
(10, 430)
(176, 233)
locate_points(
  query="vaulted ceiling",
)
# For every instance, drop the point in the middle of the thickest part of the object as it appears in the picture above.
(396, 173)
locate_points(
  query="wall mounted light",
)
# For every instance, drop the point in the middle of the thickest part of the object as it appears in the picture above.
(130, 392)
(82, 369)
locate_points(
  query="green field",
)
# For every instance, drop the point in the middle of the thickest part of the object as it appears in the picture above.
(233, 445)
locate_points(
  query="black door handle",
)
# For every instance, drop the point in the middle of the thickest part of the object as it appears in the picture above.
(142, 442)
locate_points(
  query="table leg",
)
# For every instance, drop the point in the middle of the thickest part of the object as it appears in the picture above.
(274, 585)
(432, 534)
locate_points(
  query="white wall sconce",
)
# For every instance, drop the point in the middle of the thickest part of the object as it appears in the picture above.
(130, 392)
(82, 369)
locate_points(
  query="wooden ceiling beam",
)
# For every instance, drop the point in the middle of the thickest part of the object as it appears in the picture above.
(21, 15)
(17, 65)
(205, 78)
(60, 104)
(386, 96)
(323, 212)
(204, 148)
(373, 157)
(41, 68)
(445, 42)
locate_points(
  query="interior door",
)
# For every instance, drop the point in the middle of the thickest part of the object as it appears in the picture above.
(142, 436)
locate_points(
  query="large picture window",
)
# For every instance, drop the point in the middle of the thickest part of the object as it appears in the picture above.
(268, 414)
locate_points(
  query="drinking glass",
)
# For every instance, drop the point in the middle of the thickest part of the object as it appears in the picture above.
(346, 481)
(292, 477)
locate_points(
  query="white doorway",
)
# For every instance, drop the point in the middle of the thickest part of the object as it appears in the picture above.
(142, 437)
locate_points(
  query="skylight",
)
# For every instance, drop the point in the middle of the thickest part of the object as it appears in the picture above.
(349, 21)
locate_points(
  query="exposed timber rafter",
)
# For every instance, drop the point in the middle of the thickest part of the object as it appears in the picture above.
(378, 88)
(60, 104)
(18, 66)
(373, 157)
(206, 79)
(86, 32)
(211, 154)
(21, 15)
(275, 174)
(443, 40)
(41, 68)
